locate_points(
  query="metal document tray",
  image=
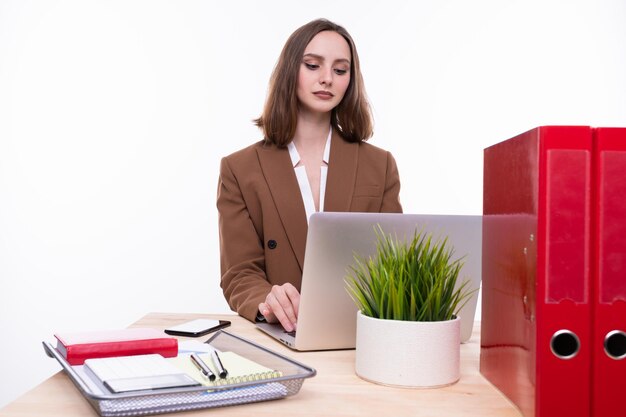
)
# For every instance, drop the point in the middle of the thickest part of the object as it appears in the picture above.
(182, 399)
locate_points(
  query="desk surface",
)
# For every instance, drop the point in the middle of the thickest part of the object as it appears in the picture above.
(334, 391)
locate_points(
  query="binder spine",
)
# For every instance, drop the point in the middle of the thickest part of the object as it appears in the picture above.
(609, 273)
(563, 356)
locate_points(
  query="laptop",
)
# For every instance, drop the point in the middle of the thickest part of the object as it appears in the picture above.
(327, 314)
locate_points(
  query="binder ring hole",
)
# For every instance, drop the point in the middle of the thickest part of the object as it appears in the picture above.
(564, 344)
(615, 344)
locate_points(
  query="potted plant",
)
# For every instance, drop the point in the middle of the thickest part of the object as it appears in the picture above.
(408, 331)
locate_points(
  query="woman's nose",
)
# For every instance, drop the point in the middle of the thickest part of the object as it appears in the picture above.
(326, 77)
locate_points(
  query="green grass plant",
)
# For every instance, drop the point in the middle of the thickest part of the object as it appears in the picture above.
(410, 281)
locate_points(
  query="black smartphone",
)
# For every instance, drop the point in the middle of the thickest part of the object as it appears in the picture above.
(197, 327)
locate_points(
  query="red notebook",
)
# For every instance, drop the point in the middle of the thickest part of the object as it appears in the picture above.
(76, 347)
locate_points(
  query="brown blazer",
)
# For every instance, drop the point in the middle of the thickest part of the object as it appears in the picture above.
(262, 220)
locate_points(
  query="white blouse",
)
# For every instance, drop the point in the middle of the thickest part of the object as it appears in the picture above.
(303, 180)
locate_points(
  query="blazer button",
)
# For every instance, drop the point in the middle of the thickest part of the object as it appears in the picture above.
(272, 244)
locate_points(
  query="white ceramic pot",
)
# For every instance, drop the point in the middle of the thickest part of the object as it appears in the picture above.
(408, 353)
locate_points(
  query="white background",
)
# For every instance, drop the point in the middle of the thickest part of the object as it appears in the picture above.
(114, 115)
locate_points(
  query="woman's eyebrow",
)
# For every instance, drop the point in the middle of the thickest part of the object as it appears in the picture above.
(321, 58)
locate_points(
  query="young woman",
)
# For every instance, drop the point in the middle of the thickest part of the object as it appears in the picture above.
(313, 158)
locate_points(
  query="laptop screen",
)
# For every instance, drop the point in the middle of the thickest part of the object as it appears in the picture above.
(327, 314)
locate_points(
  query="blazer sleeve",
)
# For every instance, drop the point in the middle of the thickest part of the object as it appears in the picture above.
(391, 194)
(242, 259)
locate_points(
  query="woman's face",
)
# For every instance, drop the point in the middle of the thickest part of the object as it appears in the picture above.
(324, 73)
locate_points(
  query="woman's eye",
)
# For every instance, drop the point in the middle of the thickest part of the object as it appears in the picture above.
(311, 66)
(339, 71)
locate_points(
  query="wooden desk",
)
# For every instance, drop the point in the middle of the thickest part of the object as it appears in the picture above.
(334, 391)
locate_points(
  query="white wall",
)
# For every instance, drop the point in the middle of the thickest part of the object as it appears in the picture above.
(114, 114)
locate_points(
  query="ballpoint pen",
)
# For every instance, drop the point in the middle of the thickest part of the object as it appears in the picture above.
(218, 364)
(204, 369)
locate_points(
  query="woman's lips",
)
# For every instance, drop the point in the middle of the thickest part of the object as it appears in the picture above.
(324, 95)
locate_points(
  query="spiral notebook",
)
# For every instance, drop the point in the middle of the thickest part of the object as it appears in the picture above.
(240, 369)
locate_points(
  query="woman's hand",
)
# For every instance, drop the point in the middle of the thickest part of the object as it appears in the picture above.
(281, 305)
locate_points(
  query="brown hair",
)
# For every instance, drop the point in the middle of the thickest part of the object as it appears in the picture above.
(351, 118)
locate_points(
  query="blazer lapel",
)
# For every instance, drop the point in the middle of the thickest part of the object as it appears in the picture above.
(283, 185)
(341, 174)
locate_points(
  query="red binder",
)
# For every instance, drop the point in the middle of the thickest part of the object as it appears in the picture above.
(535, 328)
(609, 277)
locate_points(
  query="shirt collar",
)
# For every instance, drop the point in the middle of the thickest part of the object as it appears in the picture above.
(295, 156)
